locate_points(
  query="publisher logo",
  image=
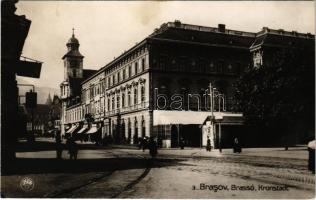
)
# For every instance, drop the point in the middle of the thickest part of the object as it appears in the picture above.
(27, 184)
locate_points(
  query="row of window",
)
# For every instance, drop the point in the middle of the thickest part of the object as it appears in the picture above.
(127, 72)
(116, 78)
(120, 100)
(75, 114)
(113, 102)
(196, 65)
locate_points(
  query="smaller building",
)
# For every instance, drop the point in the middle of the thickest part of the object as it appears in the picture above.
(40, 116)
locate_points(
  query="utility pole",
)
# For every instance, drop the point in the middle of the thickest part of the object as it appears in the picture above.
(212, 99)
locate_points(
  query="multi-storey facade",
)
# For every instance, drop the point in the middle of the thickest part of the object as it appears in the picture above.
(160, 87)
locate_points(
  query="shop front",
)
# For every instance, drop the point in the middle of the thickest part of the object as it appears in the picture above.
(191, 127)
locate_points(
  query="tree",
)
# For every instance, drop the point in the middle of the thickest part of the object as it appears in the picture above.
(279, 95)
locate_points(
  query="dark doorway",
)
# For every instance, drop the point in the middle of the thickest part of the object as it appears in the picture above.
(136, 133)
(123, 138)
(129, 134)
(191, 134)
(143, 129)
(228, 134)
(174, 136)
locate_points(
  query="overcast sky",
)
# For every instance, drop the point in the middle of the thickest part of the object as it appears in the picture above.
(106, 29)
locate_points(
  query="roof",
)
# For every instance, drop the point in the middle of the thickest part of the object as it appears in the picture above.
(203, 35)
(73, 53)
(88, 72)
(280, 38)
(73, 40)
(185, 32)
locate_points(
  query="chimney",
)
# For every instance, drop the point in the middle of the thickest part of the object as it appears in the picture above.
(221, 28)
(177, 23)
(265, 29)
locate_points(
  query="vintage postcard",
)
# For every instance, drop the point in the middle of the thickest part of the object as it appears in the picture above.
(158, 99)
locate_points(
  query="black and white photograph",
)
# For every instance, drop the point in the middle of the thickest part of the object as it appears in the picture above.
(158, 99)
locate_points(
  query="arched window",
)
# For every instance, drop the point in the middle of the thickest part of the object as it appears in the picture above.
(129, 71)
(117, 101)
(143, 94)
(136, 67)
(135, 96)
(143, 64)
(123, 99)
(129, 98)
(124, 73)
(113, 103)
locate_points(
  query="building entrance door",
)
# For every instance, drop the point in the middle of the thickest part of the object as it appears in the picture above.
(174, 136)
(191, 134)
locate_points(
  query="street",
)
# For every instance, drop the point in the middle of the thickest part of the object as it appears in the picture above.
(126, 172)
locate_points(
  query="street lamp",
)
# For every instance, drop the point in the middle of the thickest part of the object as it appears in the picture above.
(214, 93)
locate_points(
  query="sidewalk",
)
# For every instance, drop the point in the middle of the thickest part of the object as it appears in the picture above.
(292, 153)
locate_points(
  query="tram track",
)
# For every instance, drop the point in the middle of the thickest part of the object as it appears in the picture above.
(96, 180)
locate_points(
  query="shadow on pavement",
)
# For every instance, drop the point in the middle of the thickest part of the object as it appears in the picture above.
(47, 146)
(51, 165)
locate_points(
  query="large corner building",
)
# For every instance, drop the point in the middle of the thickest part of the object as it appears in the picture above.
(160, 87)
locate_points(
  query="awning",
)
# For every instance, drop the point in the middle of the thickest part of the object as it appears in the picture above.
(72, 129)
(164, 117)
(230, 120)
(85, 127)
(67, 127)
(51, 131)
(93, 129)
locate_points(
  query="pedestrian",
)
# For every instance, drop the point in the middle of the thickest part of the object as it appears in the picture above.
(181, 143)
(144, 143)
(140, 142)
(159, 142)
(59, 145)
(152, 147)
(72, 148)
(208, 144)
(237, 147)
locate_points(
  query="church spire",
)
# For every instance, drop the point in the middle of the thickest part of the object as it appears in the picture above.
(49, 100)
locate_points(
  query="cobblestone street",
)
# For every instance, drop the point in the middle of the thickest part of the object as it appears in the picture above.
(126, 172)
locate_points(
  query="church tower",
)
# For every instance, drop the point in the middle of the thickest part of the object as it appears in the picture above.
(73, 74)
(73, 59)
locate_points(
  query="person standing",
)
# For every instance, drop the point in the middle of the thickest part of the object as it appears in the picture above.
(144, 143)
(237, 147)
(72, 148)
(208, 144)
(152, 147)
(59, 145)
(181, 143)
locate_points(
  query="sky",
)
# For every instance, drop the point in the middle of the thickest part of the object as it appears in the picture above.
(105, 29)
